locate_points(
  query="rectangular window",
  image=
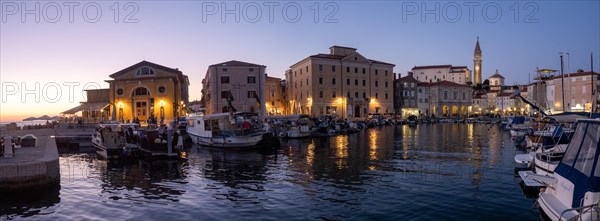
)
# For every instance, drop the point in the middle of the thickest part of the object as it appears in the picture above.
(251, 80)
(364, 71)
(386, 96)
(364, 83)
(386, 84)
(356, 82)
(333, 81)
(320, 80)
(355, 70)
(252, 94)
(445, 94)
(348, 94)
(386, 72)
(364, 94)
(307, 82)
(356, 94)
(306, 69)
(347, 81)
(333, 94)
(333, 68)
(224, 79)
(348, 69)
(454, 95)
(207, 126)
(376, 84)
(224, 69)
(376, 95)
(251, 69)
(320, 67)
(376, 72)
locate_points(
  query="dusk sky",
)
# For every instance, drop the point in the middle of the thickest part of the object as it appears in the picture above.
(188, 36)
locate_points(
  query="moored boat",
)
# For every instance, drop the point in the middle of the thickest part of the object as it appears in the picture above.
(574, 191)
(230, 130)
(109, 139)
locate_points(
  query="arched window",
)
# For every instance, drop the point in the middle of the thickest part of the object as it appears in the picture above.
(144, 71)
(141, 91)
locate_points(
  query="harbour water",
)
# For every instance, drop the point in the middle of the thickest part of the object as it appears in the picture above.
(428, 172)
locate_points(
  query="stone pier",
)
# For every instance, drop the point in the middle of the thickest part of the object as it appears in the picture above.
(32, 167)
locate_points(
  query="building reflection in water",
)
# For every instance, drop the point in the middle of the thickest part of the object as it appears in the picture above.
(143, 178)
(341, 150)
(373, 145)
(231, 170)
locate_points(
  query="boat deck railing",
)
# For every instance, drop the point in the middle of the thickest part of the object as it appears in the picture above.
(582, 210)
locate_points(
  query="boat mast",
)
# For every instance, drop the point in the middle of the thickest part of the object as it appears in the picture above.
(593, 86)
(563, 82)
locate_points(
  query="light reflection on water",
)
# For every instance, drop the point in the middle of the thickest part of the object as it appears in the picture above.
(442, 171)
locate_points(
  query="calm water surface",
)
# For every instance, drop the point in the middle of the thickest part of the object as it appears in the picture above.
(440, 171)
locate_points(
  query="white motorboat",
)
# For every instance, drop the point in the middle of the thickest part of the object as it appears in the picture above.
(574, 190)
(232, 130)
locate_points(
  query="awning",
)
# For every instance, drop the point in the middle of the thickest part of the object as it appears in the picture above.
(87, 106)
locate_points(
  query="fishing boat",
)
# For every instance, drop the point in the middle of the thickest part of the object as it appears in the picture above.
(109, 139)
(573, 191)
(228, 130)
(291, 126)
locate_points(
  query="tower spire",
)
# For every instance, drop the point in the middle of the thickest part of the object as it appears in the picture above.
(477, 63)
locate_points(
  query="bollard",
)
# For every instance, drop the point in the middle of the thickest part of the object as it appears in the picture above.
(8, 150)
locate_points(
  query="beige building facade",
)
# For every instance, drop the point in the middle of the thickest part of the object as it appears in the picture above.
(275, 100)
(343, 83)
(146, 90)
(241, 83)
(578, 91)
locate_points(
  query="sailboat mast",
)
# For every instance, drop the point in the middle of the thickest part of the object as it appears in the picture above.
(563, 82)
(593, 86)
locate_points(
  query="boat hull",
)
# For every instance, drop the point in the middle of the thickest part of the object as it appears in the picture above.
(106, 153)
(227, 142)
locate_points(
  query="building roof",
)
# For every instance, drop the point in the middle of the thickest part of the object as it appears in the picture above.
(444, 84)
(432, 66)
(234, 63)
(145, 63)
(380, 62)
(337, 46)
(408, 78)
(497, 75)
(340, 57)
(577, 74)
(273, 78)
(327, 56)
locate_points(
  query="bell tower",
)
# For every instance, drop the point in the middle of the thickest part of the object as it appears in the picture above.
(477, 62)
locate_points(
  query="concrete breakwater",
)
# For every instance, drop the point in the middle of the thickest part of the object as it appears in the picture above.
(31, 167)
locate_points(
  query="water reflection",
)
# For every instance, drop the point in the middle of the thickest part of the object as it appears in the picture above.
(143, 179)
(29, 203)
